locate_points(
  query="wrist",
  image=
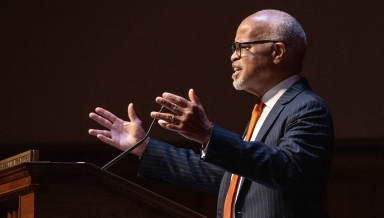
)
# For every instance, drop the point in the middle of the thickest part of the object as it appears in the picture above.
(205, 144)
(139, 151)
(208, 137)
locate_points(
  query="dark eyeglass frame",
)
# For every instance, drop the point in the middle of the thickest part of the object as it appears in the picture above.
(237, 45)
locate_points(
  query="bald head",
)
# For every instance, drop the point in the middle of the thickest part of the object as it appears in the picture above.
(280, 26)
(269, 48)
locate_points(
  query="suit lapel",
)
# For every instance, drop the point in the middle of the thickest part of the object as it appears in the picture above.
(272, 116)
(288, 95)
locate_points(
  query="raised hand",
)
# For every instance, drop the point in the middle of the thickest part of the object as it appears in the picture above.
(189, 118)
(120, 134)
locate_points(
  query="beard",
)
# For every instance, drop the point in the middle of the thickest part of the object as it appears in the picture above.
(240, 83)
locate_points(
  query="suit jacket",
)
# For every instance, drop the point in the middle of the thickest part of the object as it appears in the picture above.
(285, 168)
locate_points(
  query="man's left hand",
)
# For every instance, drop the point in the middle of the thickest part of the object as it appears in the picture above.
(188, 118)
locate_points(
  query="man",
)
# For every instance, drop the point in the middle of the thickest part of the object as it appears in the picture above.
(280, 168)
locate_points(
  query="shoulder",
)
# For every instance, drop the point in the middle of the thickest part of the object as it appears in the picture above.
(300, 96)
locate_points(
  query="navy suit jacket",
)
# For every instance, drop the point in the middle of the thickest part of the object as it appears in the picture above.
(285, 169)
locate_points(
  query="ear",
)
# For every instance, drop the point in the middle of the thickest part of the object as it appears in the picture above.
(279, 52)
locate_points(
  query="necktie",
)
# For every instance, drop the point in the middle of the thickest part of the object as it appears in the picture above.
(236, 178)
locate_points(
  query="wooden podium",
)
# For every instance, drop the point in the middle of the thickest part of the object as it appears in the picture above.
(48, 189)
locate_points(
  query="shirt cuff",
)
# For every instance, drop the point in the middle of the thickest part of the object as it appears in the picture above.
(203, 150)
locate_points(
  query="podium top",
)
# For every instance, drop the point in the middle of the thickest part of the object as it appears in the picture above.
(28, 156)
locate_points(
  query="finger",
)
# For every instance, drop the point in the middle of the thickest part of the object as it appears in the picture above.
(163, 116)
(167, 125)
(163, 123)
(107, 140)
(96, 132)
(101, 120)
(169, 105)
(132, 114)
(193, 97)
(180, 101)
(108, 115)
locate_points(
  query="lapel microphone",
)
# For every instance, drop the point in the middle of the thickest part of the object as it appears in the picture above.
(106, 166)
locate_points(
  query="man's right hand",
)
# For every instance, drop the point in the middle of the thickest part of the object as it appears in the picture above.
(120, 134)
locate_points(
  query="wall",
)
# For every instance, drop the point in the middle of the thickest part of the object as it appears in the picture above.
(61, 59)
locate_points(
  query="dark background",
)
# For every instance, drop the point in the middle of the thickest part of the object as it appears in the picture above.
(61, 59)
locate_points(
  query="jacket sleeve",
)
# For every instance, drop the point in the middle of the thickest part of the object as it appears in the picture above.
(162, 161)
(297, 145)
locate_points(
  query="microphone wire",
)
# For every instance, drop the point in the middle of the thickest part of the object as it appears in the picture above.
(106, 166)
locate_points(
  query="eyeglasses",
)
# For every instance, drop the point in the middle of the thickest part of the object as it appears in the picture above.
(237, 46)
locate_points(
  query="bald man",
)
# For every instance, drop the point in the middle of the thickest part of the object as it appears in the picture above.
(282, 169)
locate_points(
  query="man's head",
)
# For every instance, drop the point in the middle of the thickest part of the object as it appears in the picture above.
(260, 65)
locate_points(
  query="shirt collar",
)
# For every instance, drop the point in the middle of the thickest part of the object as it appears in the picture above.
(270, 98)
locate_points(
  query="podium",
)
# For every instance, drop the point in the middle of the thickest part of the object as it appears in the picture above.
(68, 190)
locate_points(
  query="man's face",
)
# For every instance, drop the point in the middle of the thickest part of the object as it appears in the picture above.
(253, 70)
